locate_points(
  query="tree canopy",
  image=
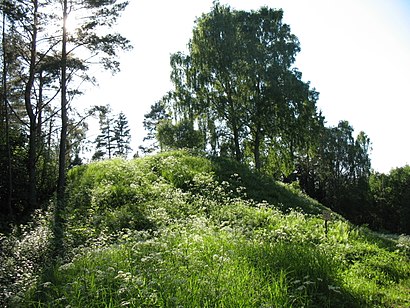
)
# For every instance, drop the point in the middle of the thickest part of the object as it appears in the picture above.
(237, 93)
(239, 87)
(43, 67)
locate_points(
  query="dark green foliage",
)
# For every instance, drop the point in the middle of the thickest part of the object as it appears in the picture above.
(19, 178)
(238, 87)
(182, 135)
(104, 144)
(122, 136)
(151, 121)
(390, 209)
(237, 94)
(37, 70)
(263, 188)
(114, 138)
(337, 174)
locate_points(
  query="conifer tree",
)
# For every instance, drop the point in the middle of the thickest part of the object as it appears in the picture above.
(104, 144)
(114, 138)
(122, 136)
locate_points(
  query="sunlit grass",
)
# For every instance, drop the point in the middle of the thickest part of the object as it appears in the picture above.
(176, 231)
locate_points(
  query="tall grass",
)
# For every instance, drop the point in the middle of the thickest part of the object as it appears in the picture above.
(174, 230)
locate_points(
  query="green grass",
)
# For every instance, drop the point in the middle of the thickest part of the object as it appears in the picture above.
(176, 230)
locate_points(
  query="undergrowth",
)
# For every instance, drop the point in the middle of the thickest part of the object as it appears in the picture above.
(176, 230)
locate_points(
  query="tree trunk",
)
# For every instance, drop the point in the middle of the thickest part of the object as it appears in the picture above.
(44, 150)
(256, 148)
(58, 223)
(235, 130)
(31, 165)
(40, 106)
(238, 155)
(7, 124)
(32, 152)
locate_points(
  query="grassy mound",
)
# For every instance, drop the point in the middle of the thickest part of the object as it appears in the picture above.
(176, 230)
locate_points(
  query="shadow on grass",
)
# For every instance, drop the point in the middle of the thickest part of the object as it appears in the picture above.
(310, 274)
(261, 187)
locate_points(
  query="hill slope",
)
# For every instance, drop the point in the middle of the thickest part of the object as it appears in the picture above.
(176, 230)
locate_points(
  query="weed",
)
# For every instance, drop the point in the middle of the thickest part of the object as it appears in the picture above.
(176, 230)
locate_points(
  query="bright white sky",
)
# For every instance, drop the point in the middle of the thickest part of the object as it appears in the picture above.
(355, 53)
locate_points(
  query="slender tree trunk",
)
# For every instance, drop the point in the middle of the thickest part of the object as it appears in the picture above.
(237, 145)
(32, 172)
(109, 138)
(258, 134)
(235, 131)
(58, 228)
(256, 148)
(44, 150)
(32, 152)
(7, 124)
(40, 106)
(45, 174)
(64, 117)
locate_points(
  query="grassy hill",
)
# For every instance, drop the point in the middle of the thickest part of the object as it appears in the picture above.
(177, 230)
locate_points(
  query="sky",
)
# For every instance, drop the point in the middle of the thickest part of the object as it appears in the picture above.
(356, 54)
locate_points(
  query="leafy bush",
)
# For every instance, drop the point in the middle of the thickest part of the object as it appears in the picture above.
(390, 195)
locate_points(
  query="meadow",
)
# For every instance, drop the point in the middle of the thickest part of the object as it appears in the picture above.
(181, 230)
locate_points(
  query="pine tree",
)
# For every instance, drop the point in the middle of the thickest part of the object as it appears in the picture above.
(104, 144)
(122, 137)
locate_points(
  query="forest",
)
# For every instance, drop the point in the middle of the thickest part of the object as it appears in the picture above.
(236, 97)
(43, 67)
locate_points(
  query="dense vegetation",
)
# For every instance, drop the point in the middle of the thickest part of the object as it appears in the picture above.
(180, 230)
(390, 205)
(237, 94)
(176, 229)
(44, 65)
